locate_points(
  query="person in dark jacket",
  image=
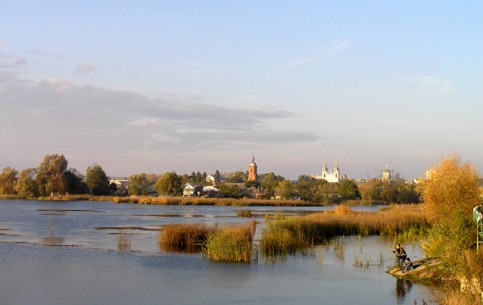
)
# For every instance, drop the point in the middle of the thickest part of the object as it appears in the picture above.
(408, 265)
(400, 255)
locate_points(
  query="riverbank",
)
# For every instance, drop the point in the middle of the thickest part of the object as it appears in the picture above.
(163, 200)
(453, 290)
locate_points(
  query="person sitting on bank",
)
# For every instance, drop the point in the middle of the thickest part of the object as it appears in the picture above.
(400, 255)
(408, 265)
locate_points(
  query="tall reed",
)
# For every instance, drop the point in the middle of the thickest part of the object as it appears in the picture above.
(185, 237)
(232, 244)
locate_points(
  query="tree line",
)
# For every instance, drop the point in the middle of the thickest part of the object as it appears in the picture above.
(53, 176)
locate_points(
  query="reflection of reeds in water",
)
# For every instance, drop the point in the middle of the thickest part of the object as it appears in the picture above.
(363, 262)
(52, 240)
(244, 213)
(123, 242)
(339, 249)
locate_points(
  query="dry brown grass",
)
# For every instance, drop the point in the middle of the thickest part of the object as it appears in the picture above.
(456, 297)
(162, 200)
(185, 236)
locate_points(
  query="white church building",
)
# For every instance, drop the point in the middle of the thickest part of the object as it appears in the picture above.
(331, 176)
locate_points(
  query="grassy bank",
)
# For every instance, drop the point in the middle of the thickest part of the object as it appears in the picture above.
(292, 234)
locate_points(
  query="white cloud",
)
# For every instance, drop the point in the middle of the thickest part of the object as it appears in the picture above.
(3, 42)
(332, 51)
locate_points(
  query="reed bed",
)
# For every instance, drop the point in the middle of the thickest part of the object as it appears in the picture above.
(244, 213)
(292, 234)
(231, 244)
(162, 200)
(457, 297)
(10, 197)
(185, 237)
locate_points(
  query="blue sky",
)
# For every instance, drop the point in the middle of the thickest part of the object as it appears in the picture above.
(154, 86)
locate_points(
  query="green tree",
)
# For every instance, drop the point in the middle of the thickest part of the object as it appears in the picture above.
(407, 193)
(26, 186)
(217, 176)
(137, 184)
(371, 190)
(169, 184)
(73, 182)
(49, 175)
(230, 191)
(348, 190)
(285, 189)
(306, 187)
(388, 192)
(7, 181)
(198, 177)
(97, 180)
(236, 177)
(268, 183)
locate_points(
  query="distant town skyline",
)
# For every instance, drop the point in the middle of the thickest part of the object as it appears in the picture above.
(203, 85)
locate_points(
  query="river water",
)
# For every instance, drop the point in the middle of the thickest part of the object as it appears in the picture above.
(102, 253)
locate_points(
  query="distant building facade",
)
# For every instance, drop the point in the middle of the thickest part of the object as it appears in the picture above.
(252, 170)
(386, 175)
(331, 176)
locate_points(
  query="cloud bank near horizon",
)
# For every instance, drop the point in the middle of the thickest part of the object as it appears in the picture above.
(61, 116)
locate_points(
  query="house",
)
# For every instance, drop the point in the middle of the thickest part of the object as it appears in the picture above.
(122, 186)
(188, 190)
(199, 190)
(210, 191)
(211, 179)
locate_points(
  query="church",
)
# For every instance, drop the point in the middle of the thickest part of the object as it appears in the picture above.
(331, 176)
(252, 170)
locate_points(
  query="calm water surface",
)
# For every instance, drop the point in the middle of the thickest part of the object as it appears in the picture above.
(68, 253)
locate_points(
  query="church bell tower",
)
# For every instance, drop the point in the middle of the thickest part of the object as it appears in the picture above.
(252, 170)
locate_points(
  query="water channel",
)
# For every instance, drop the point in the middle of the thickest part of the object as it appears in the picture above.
(103, 253)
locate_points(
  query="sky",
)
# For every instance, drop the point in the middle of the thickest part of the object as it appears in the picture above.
(156, 86)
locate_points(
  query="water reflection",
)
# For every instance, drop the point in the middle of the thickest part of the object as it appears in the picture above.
(403, 287)
(339, 249)
(123, 242)
(164, 247)
(52, 240)
(324, 274)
